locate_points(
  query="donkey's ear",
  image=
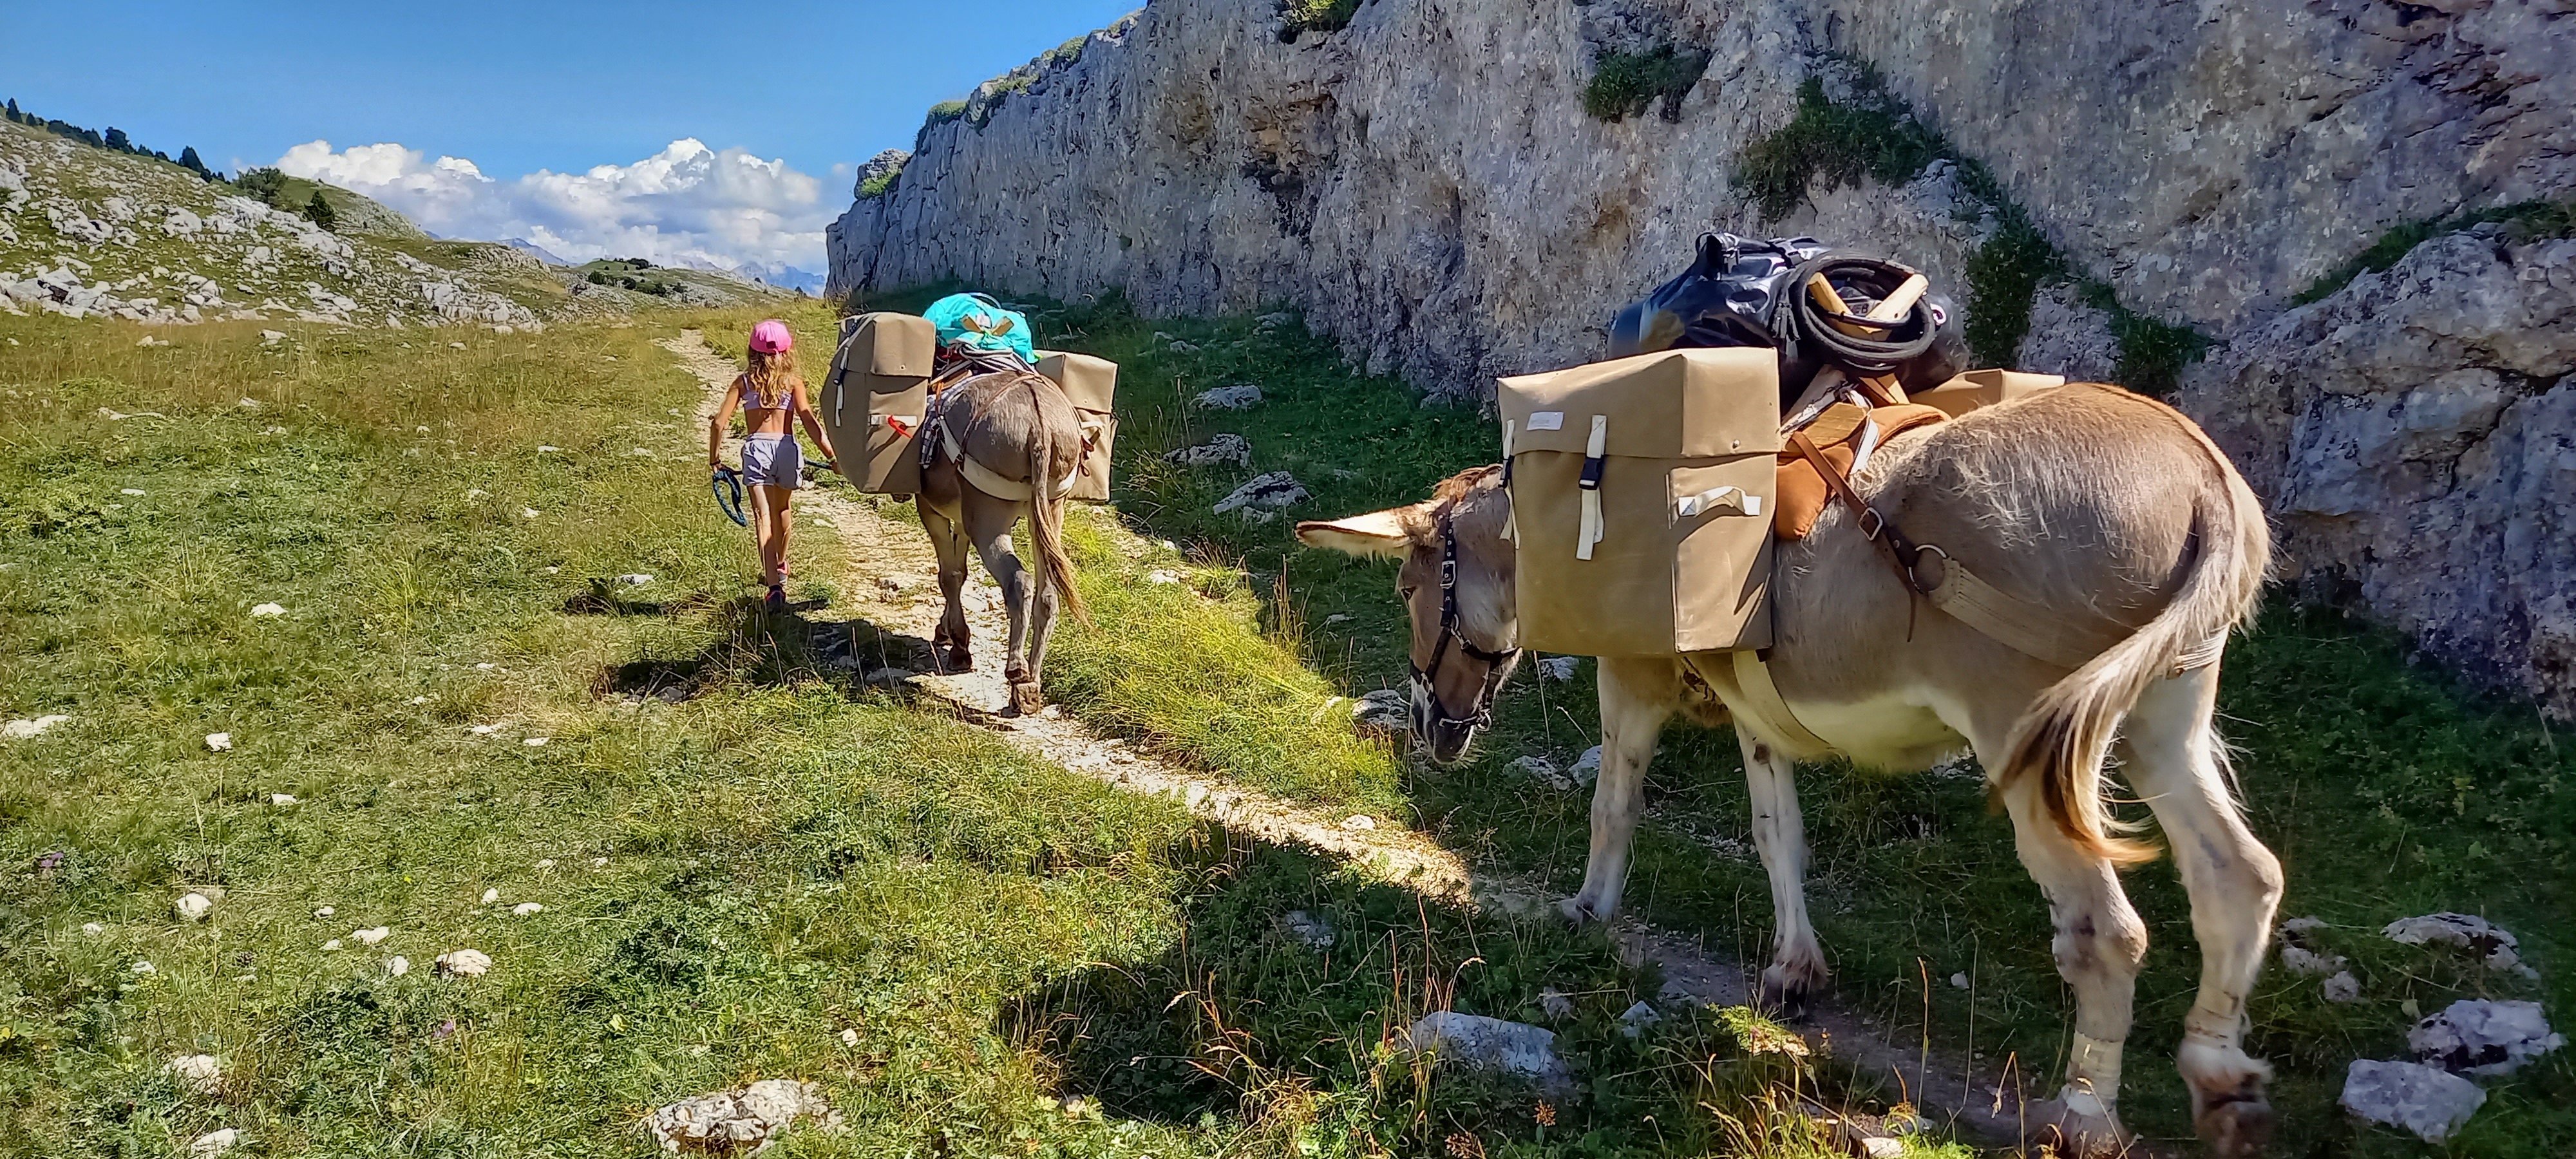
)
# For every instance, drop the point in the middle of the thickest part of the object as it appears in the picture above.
(1376, 533)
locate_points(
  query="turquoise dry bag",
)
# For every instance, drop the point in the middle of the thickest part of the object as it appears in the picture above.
(980, 323)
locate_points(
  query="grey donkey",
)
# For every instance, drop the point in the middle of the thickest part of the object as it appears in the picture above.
(1022, 442)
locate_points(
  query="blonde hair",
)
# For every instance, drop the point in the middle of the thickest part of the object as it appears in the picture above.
(773, 375)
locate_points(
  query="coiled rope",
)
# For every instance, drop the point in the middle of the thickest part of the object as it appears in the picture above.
(1809, 330)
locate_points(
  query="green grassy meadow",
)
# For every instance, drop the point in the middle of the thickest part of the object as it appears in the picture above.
(771, 871)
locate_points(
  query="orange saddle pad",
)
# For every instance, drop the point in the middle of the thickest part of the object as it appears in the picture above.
(1802, 492)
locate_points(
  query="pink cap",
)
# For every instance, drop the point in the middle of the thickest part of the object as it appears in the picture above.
(771, 336)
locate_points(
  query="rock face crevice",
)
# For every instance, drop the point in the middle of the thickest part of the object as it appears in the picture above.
(1427, 188)
(2414, 438)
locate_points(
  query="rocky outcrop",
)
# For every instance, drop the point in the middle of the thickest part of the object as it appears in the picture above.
(1428, 188)
(2414, 437)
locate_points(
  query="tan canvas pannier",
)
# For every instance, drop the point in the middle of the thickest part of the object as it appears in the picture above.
(1978, 388)
(1090, 382)
(1642, 495)
(873, 398)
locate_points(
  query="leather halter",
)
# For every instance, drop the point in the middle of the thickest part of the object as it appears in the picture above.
(1498, 665)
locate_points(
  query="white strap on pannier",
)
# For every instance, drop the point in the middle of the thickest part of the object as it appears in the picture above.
(1511, 521)
(1730, 499)
(1591, 531)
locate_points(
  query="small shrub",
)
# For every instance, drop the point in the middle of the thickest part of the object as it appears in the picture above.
(1300, 16)
(1624, 83)
(262, 185)
(2003, 276)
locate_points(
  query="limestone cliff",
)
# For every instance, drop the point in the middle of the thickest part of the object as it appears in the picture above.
(1427, 185)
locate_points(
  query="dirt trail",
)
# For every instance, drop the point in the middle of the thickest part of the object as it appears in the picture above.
(892, 585)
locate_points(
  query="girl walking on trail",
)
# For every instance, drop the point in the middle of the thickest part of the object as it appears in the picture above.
(772, 397)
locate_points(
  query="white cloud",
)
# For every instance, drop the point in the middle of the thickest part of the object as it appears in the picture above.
(686, 205)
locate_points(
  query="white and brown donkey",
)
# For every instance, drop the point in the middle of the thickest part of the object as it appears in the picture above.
(1002, 444)
(2100, 506)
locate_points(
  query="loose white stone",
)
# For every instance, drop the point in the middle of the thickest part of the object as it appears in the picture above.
(142, 967)
(1491, 1044)
(1638, 1019)
(1555, 1003)
(371, 936)
(332, 945)
(324, 911)
(93, 929)
(527, 513)
(491, 895)
(1960, 979)
(2343, 989)
(1308, 930)
(268, 610)
(2430, 1101)
(536, 742)
(1360, 822)
(2466, 931)
(2482, 1037)
(281, 799)
(213, 1143)
(200, 1073)
(635, 579)
(1587, 767)
(1558, 667)
(131, 491)
(1268, 492)
(525, 909)
(548, 863)
(221, 742)
(1162, 575)
(849, 1037)
(599, 863)
(464, 963)
(1240, 396)
(194, 907)
(397, 966)
(26, 729)
(739, 1121)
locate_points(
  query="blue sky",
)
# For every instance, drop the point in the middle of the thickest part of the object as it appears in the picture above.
(515, 88)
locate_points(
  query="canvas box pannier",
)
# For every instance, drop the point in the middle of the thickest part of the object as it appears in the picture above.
(1980, 388)
(873, 398)
(1641, 497)
(1090, 382)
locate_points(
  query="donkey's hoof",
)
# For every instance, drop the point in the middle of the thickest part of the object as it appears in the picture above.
(1579, 912)
(1783, 994)
(1026, 700)
(956, 659)
(2075, 1134)
(2236, 1129)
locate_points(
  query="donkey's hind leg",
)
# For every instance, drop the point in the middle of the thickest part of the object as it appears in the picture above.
(2100, 944)
(988, 525)
(2177, 763)
(951, 645)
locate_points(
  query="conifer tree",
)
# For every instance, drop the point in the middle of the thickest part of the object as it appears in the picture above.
(14, 114)
(320, 211)
(189, 161)
(117, 140)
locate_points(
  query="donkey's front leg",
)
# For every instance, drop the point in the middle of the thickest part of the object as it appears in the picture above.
(1637, 696)
(1780, 833)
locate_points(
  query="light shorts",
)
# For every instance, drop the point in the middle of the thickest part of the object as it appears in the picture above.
(773, 461)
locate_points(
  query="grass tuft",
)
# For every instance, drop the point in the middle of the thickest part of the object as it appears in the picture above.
(1624, 84)
(1301, 16)
(2526, 221)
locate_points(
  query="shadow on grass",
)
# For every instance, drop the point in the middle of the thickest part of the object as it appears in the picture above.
(755, 646)
(1285, 1000)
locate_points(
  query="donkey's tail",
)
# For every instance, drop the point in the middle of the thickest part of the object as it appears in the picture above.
(1046, 514)
(2065, 734)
